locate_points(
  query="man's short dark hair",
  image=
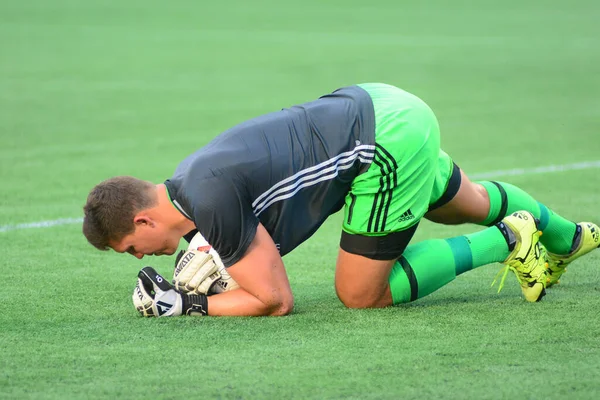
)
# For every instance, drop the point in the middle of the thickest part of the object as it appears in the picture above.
(111, 207)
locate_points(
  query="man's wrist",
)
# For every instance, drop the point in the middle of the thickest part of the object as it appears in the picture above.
(194, 304)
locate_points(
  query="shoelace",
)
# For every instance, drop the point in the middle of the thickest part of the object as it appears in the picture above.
(504, 270)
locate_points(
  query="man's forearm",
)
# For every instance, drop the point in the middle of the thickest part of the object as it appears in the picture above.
(241, 303)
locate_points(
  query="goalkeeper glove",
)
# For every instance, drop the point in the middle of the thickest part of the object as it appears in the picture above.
(195, 272)
(153, 296)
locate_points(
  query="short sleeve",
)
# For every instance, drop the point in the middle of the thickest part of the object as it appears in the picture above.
(223, 214)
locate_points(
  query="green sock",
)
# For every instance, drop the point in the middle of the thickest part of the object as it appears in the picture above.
(506, 199)
(427, 266)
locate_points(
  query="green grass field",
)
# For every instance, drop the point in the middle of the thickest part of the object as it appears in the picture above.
(90, 90)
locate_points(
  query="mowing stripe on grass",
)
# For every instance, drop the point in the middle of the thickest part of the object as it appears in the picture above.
(478, 176)
(41, 224)
(537, 170)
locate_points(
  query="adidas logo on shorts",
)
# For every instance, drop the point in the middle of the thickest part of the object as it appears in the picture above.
(408, 215)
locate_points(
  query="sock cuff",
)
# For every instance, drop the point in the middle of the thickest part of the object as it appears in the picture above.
(498, 202)
(544, 216)
(509, 236)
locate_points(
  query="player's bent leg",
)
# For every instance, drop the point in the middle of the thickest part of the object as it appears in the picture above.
(422, 269)
(361, 282)
(470, 204)
(505, 199)
(364, 264)
(488, 202)
(364, 282)
(427, 266)
(564, 240)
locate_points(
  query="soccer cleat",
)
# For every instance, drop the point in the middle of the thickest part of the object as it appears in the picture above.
(520, 229)
(587, 238)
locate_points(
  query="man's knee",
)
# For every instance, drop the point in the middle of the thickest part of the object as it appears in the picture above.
(470, 205)
(361, 298)
(483, 199)
(361, 282)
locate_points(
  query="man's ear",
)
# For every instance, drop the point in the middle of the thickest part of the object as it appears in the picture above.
(143, 220)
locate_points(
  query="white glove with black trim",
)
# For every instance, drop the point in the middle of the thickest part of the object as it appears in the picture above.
(224, 281)
(153, 296)
(195, 272)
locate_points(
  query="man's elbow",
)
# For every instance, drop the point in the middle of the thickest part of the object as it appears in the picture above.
(283, 307)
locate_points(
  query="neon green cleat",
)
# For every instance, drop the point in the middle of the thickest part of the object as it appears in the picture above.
(587, 238)
(525, 259)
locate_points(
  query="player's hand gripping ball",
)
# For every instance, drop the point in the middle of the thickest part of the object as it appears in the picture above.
(200, 270)
(195, 272)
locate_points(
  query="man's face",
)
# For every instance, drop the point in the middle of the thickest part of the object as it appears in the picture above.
(148, 238)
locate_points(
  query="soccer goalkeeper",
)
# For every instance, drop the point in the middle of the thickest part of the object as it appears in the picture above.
(261, 188)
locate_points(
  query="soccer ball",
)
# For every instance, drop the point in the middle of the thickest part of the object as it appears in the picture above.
(226, 282)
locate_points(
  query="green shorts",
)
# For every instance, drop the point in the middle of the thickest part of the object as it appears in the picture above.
(409, 175)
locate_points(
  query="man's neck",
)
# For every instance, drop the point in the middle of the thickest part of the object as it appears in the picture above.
(170, 214)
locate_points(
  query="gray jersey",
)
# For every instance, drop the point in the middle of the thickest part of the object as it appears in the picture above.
(288, 170)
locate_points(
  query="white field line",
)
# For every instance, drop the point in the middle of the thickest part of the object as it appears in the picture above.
(537, 170)
(41, 224)
(478, 176)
